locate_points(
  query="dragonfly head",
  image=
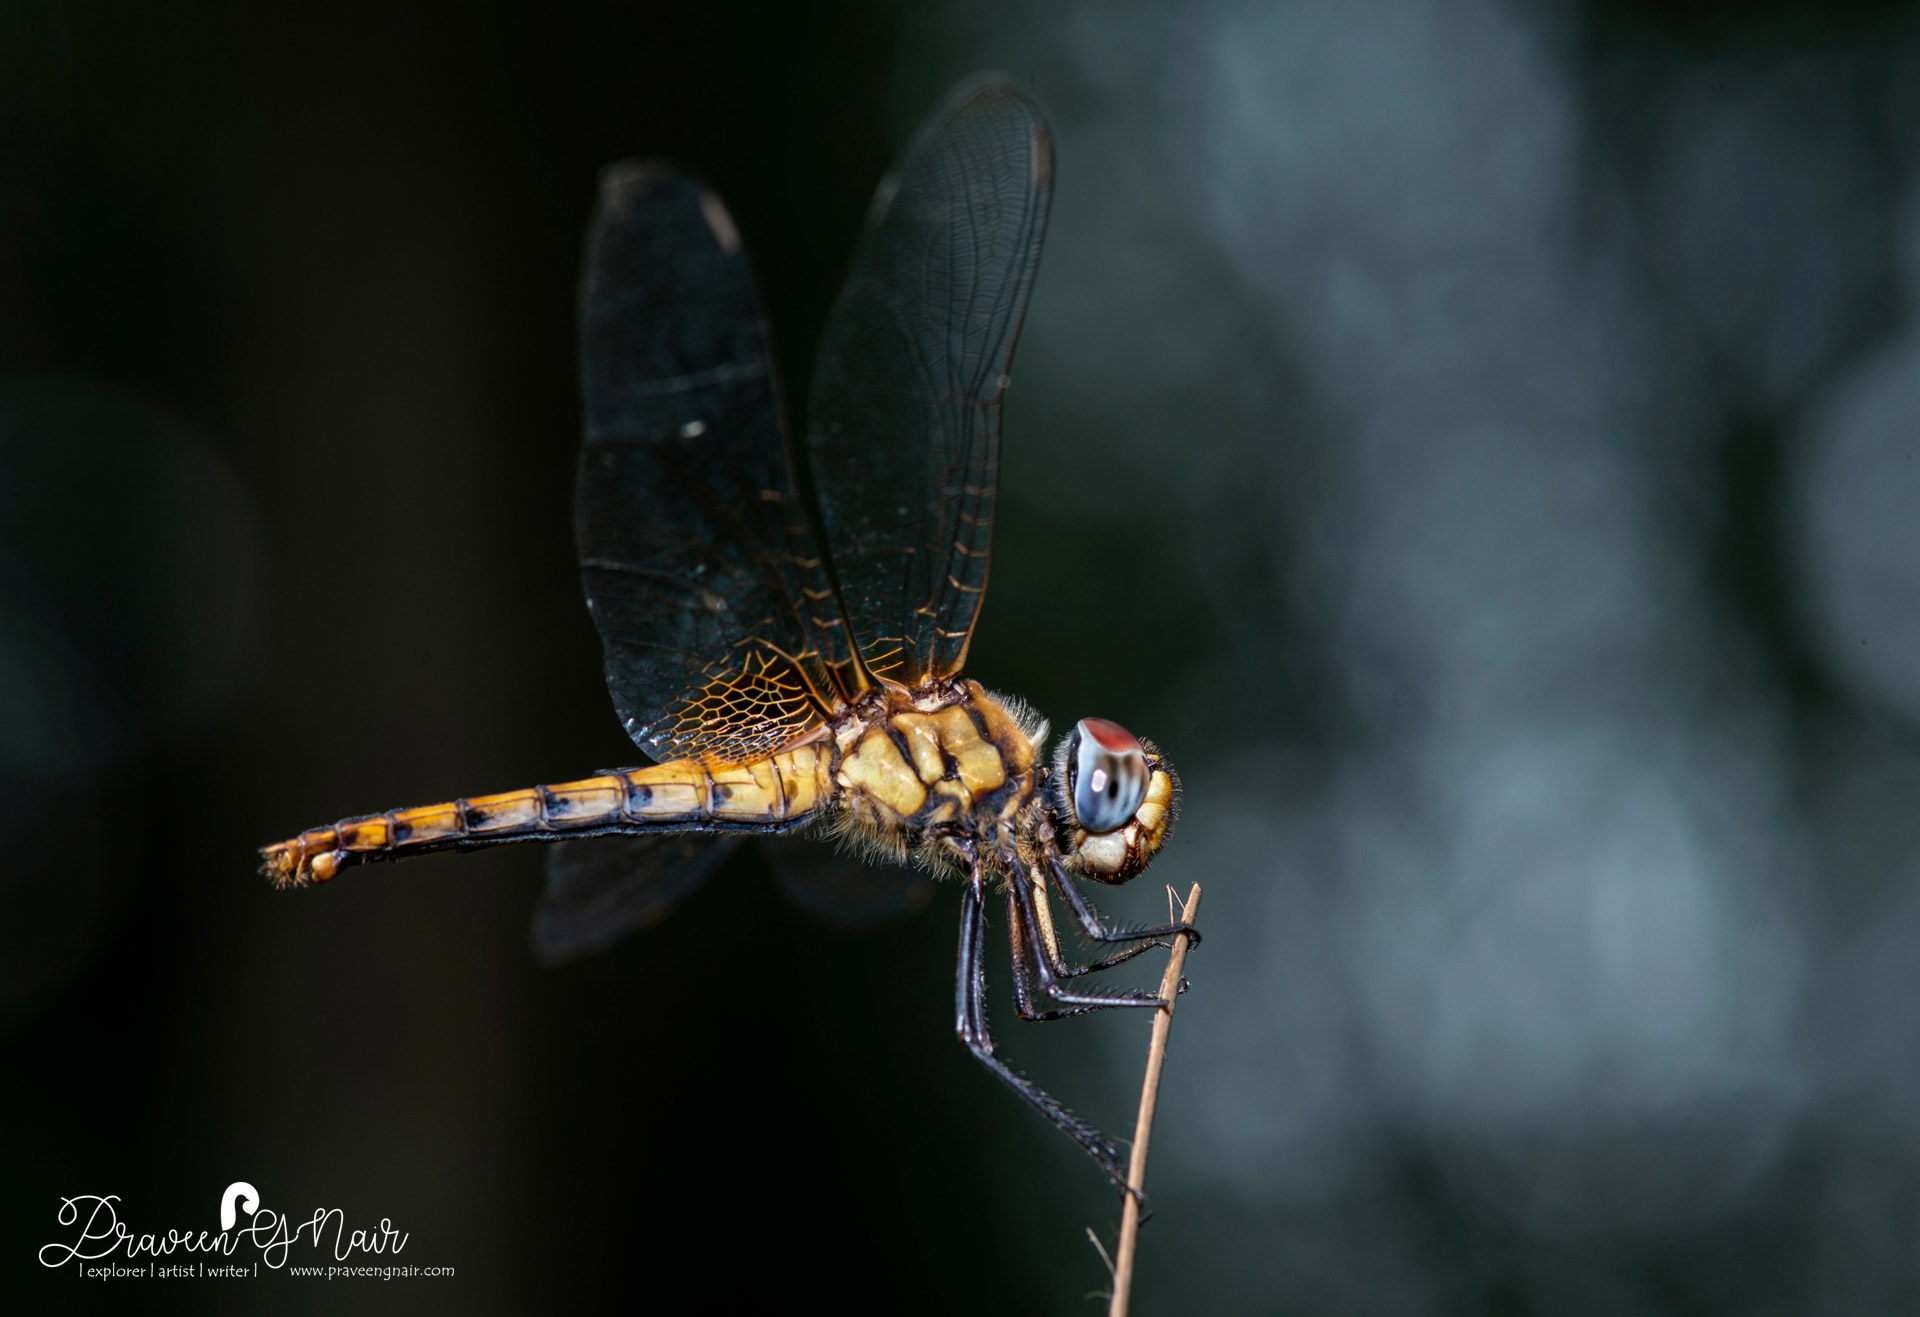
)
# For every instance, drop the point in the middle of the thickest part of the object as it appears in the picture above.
(1113, 799)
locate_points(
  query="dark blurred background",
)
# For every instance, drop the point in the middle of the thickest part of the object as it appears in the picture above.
(1479, 439)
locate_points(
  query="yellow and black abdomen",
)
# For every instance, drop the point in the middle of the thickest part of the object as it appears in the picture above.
(769, 795)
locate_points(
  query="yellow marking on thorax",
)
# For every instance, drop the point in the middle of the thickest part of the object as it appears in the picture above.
(979, 762)
(923, 740)
(954, 789)
(877, 768)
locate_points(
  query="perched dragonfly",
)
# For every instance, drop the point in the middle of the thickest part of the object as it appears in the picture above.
(779, 689)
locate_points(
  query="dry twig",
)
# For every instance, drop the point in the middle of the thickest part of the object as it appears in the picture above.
(1143, 1123)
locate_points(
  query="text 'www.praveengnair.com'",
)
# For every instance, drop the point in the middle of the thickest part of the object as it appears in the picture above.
(368, 1273)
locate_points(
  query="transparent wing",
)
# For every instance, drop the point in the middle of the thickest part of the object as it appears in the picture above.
(723, 635)
(904, 419)
(599, 889)
(840, 891)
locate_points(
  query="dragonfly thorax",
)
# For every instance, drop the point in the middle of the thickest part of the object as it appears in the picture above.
(938, 774)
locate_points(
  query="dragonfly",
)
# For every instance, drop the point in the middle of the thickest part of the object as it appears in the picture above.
(792, 663)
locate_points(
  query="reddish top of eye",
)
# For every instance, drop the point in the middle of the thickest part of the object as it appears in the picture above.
(1109, 736)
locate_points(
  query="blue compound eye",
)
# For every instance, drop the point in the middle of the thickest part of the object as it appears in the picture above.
(1109, 774)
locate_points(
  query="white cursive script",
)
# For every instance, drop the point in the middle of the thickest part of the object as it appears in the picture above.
(104, 1234)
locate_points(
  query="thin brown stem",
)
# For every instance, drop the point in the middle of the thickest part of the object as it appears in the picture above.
(1143, 1124)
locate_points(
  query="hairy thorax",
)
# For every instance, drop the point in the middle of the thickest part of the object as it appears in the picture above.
(936, 773)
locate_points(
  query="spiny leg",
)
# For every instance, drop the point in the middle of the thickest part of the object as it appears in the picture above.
(1020, 903)
(1022, 972)
(1065, 969)
(970, 1023)
(1089, 918)
(1062, 967)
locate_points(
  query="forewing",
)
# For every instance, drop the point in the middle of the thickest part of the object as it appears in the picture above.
(840, 891)
(723, 636)
(904, 418)
(599, 889)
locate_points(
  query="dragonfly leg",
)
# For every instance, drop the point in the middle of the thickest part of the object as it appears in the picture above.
(1020, 904)
(1067, 970)
(970, 1023)
(1089, 918)
(1064, 968)
(1021, 957)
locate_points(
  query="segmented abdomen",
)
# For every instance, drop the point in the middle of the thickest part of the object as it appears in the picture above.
(769, 795)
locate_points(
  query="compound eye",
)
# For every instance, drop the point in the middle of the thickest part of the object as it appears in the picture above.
(1109, 774)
